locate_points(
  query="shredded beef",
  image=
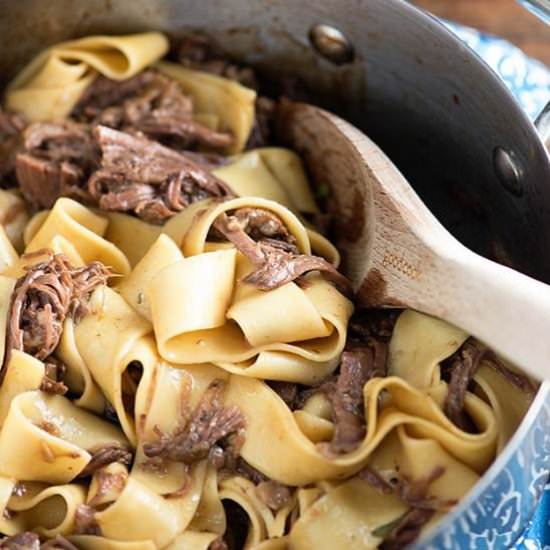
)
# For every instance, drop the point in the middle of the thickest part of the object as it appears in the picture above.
(11, 142)
(57, 159)
(85, 522)
(416, 494)
(148, 179)
(274, 251)
(198, 51)
(372, 323)
(407, 530)
(357, 367)
(262, 131)
(53, 377)
(209, 423)
(375, 480)
(218, 544)
(463, 366)
(287, 391)
(50, 291)
(106, 454)
(149, 103)
(273, 494)
(58, 543)
(107, 481)
(244, 469)
(21, 541)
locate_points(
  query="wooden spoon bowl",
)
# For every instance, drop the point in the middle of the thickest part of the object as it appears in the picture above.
(397, 254)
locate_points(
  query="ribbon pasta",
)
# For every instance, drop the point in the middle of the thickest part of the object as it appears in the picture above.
(197, 408)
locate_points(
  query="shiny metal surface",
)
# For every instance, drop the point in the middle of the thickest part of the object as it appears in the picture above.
(331, 43)
(415, 88)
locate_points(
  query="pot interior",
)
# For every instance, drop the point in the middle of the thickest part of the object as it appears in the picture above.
(435, 109)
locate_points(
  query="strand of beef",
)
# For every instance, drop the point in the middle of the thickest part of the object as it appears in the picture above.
(357, 367)
(197, 51)
(53, 377)
(200, 52)
(58, 543)
(273, 494)
(199, 431)
(147, 179)
(149, 103)
(416, 494)
(107, 481)
(407, 529)
(58, 158)
(51, 290)
(31, 541)
(104, 455)
(463, 365)
(85, 522)
(11, 141)
(372, 323)
(263, 238)
(344, 390)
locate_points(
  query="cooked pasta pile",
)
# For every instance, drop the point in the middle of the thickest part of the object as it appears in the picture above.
(182, 365)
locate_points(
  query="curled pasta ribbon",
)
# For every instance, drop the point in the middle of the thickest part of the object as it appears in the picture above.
(295, 459)
(54, 437)
(221, 320)
(77, 232)
(13, 218)
(52, 83)
(92, 542)
(77, 375)
(272, 173)
(356, 508)
(111, 340)
(103, 338)
(49, 511)
(277, 174)
(228, 105)
(418, 345)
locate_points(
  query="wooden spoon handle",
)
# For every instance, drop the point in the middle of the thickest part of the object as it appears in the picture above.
(506, 310)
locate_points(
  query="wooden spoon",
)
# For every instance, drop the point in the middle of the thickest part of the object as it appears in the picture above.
(397, 254)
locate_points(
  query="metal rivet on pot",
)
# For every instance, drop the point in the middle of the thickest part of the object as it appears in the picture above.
(331, 43)
(508, 170)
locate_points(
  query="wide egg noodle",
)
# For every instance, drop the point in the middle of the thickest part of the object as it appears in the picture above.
(93, 542)
(49, 511)
(132, 236)
(232, 103)
(346, 517)
(103, 338)
(52, 83)
(48, 438)
(192, 540)
(7, 285)
(8, 254)
(158, 406)
(294, 459)
(227, 322)
(77, 376)
(13, 216)
(162, 253)
(508, 402)
(418, 344)
(83, 231)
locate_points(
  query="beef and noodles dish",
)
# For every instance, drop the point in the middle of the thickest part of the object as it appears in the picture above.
(182, 363)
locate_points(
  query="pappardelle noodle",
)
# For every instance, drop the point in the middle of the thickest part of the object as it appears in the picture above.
(182, 364)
